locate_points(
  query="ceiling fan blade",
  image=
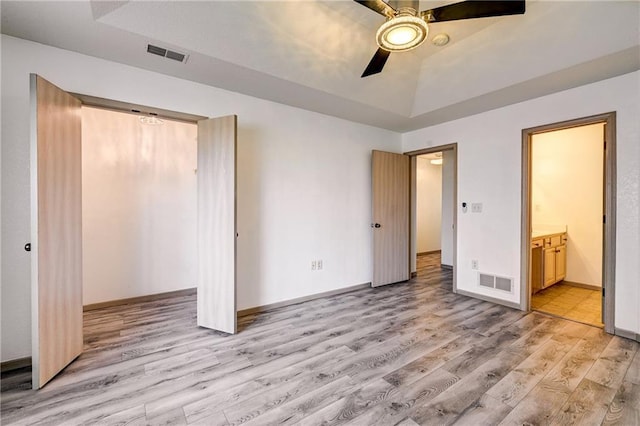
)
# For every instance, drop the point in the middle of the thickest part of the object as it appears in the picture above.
(377, 63)
(378, 6)
(473, 9)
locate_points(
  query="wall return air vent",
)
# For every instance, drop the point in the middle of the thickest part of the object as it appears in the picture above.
(496, 282)
(166, 53)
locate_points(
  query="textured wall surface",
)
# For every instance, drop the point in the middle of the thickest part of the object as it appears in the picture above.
(138, 206)
(489, 171)
(303, 188)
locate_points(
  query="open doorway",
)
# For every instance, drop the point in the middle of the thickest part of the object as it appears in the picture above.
(566, 222)
(56, 223)
(568, 213)
(138, 206)
(428, 211)
(433, 221)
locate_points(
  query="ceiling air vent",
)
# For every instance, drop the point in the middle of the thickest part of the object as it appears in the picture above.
(165, 53)
(175, 56)
(156, 50)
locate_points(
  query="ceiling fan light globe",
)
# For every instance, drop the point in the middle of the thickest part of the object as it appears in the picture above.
(402, 33)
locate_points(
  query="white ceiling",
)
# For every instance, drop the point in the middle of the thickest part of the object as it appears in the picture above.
(310, 54)
(431, 156)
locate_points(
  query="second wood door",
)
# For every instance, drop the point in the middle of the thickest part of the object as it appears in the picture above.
(391, 175)
(217, 224)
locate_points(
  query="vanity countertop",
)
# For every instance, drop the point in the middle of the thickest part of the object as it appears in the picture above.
(544, 233)
(547, 231)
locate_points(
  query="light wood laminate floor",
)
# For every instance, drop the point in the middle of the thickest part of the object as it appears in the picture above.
(570, 302)
(406, 354)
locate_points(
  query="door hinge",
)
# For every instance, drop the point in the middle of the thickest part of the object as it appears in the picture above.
(605, 145)
(604, 218)
(603, 292)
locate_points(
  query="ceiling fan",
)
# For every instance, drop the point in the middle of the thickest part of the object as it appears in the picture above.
(406, 28)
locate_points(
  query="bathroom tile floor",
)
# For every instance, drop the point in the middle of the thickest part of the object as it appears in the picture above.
(574, 303)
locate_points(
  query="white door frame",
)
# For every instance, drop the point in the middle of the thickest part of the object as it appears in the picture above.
(453, 147)
(609, 225)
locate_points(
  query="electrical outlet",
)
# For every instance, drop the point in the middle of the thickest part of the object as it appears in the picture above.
(314, 265)
(319, 262)
(476, 207)
(474, 264)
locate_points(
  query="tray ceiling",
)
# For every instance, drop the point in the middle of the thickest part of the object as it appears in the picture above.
(310, 54)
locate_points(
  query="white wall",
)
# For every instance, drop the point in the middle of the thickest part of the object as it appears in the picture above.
(567, 189)
(446, 231)
(428, 205)
(489, 171)
(304, 180)
(138, 206)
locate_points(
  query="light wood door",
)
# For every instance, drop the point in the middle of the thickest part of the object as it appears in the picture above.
(216, 305)
(549, 266)
(56, 229)
(391, 202)
(561, 262)
(537, 270)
